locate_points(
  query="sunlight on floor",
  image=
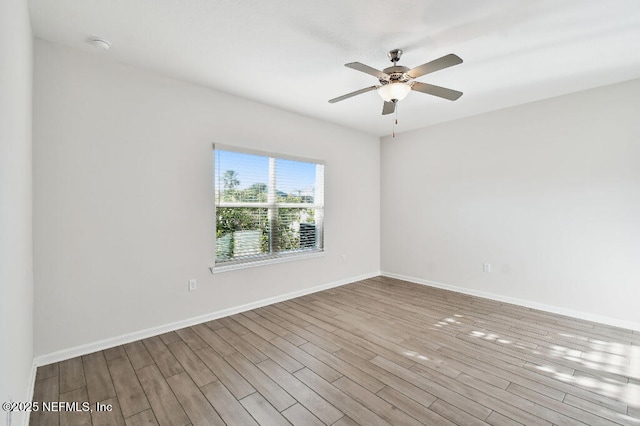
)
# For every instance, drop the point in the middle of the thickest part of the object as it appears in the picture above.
(602, 367)
(416, 355)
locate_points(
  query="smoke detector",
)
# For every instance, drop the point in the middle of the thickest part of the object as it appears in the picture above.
(100, 43)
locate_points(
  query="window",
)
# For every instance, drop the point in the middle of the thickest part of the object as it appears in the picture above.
(267, 207)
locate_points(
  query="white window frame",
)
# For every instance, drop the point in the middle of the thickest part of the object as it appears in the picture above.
(272, 206)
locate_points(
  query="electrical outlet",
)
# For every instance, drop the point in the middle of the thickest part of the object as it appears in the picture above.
(343, 258)
(193, 285)
(486, 267)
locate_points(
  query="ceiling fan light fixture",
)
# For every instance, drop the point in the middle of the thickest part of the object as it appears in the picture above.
(394, 91)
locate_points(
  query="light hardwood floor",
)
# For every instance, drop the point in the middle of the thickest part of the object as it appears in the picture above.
(379, 351)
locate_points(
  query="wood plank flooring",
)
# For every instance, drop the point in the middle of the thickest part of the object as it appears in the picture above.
(375, 352)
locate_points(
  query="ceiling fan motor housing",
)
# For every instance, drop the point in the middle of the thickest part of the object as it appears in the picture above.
(396, 74)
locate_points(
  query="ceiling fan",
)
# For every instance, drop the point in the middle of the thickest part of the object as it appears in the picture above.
(397, 81)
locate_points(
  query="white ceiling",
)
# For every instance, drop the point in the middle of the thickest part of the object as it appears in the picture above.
(291, 53)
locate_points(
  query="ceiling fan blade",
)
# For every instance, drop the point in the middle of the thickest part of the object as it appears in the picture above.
(388, 108)
(349, 95)
(438, 91)
(367, 69)
(435, 65)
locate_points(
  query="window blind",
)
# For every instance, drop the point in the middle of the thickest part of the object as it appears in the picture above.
(267, 206)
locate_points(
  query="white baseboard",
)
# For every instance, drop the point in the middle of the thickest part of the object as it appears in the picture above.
(154, 331)
(630, 325)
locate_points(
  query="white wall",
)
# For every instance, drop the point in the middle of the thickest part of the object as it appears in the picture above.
(548, 193)
(123, 199)
(16, 269)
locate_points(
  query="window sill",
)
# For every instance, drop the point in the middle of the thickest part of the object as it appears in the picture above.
(269, 261)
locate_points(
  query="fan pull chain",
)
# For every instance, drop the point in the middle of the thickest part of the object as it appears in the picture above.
(395, 122)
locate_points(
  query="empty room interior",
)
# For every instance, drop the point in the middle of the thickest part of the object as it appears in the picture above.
(207, 218)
